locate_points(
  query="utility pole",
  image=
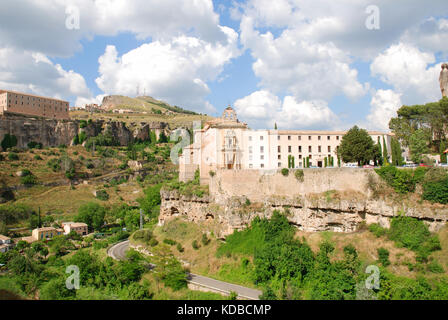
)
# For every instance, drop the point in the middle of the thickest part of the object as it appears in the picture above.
(141, 219)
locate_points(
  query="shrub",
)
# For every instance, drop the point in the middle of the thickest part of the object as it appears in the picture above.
(211, 173)
(37, 157)
(8, 141)
(435, 267)
(383, 256)
(13, 156)
(102, 195)
(153, 242)
(403, 181)
(83, 124)
(205, 240)
(285, 172)
(179, 248)
(436, 191)
(170, 242)
(299, 175)
(34, 145)
(377, 230)
(408, 232)
(53, 163)
(195, 245)
(28, 180)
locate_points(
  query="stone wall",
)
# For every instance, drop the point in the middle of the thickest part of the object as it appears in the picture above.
(259, 184)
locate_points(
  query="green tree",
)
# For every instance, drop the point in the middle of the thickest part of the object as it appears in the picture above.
(9, 141)
(443, 146)
(356, 146)
(397, 158)
(92, 214)
(418, 145)
(385, 153)
(163, 138)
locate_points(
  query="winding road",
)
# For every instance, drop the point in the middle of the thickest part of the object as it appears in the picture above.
(118, 252)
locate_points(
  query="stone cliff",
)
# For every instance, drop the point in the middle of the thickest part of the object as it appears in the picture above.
(56, 132)
(337, 209)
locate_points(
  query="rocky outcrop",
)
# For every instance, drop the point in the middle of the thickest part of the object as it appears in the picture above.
(305, 213)
(57, 132)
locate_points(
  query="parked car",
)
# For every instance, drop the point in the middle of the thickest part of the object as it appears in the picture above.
(425, 165)
(369, 166)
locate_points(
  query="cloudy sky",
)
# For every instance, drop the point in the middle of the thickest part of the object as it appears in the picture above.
(305, 64)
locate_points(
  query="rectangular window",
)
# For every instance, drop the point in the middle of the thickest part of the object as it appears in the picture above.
(300, 138)
(318, 138)
(319, 149)
(278, 137)
(289, 137)
(328, 138)
(337, 137)
(300, 156)
(262, 157)
(262, 165)
(309, 149)
(251, 165)
(329, 149)
(250, 149)
(279, 164)
(261, 138)
(289, 149)
(261, 149)
(300, 148)
(279, 149)
(279, 157)
(309, 137)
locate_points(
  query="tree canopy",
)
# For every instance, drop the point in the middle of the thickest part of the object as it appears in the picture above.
(357, 146)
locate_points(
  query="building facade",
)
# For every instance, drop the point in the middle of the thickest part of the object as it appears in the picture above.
(79, 227)
(46, 233)
(12, 102)
(6, 243)
(226, 143)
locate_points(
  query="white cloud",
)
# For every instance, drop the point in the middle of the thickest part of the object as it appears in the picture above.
(384, 106)
(35, 73)
(409, 71)
(263, 109)
(175, 71)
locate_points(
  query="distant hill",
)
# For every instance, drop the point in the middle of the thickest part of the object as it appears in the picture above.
(142, 104)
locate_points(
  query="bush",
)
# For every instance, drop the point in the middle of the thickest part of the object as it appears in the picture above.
(179, 248)
(408, 232)
(285, 172)
(13, 156)
(9, 141)
(383, 256)
(299, 175)
(436, 191)
(169, 241)
(102, 195)
(37, 157)
(34, 145)
(153, 242)
(403, 181)
(435, 267)
(53, 163)
(205, 240)
(195, 245)
(28, 180)
(377, 230)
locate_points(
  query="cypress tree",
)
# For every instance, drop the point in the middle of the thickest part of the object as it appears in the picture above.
(385, 155)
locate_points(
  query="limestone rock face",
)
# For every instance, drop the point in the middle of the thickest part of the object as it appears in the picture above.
(307, 215)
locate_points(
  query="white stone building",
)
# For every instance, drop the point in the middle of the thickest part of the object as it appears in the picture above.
(226, 143)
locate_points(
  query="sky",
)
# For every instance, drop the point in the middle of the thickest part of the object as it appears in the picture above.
(303, 64)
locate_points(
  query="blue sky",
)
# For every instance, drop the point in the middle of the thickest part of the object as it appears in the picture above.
(300, 63)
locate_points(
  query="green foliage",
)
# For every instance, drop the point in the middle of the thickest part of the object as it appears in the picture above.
(13, 156)
(92, 214)
(11, 214)
(356, 146)
(179, 248)
(377, 230)
(435, 267)
(299, 175)
(285, 172)
(205, 240)
(82, 124)
(397, 158)
(195, 245)
(402, 180)
(383, 256)
(163, 138)
(28, 180)
(102, 195)
(436, 191)
(153, 242)
(34, 145)
(150, 200)
(170, 242)
(9, 141)
(103, 139)
(418, 145)
(173, 274)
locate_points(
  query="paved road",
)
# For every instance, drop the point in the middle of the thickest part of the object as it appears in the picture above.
(118, 252)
